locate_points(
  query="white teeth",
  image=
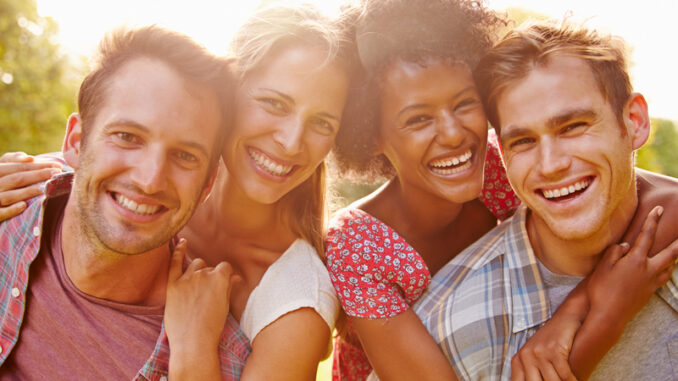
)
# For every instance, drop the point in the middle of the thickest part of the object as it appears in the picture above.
(134, 207)
(449, 171)
(564, 191)
(269, 165)
(442, 163)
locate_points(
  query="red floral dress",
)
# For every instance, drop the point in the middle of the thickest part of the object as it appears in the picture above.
(377, 274)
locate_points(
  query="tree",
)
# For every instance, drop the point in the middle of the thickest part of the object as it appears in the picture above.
(660, 153)
(37, 83)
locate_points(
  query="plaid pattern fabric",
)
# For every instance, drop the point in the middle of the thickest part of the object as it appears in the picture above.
(484, 305)
(19, 246)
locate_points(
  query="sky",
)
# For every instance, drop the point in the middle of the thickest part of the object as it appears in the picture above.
(648, 28)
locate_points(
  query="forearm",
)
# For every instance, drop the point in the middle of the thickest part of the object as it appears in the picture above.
(194, 364)
(400, 348)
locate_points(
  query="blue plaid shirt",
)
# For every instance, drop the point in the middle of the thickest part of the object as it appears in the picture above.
(487, 302)
(19, 246)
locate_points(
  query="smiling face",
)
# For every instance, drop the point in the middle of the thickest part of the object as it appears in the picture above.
(287, 116)
(433, 129)
(144, 164)
(567, 156)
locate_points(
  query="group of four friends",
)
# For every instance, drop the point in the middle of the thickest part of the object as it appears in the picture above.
(182, 230)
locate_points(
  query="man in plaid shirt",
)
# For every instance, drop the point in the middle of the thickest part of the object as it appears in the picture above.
(569, 124)
(144, 150)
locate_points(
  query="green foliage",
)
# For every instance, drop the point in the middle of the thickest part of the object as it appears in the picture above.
(660, 153)
(37, 83)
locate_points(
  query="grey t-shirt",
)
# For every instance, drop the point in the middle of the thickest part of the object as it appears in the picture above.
(648, 347)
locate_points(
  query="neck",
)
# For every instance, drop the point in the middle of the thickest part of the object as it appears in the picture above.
(417, 211)
(579, 256)
(102, 273)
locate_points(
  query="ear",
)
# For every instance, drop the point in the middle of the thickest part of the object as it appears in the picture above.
(210, 183)
(71, 145)
(637, 120)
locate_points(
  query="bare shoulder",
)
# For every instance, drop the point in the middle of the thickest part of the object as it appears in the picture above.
(655, 189)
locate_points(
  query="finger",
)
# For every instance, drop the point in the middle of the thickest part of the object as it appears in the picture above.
(8, 212)
(531, 372)
(195, 265)
(8, 169)
(517, 371)
(562, 368)
(645, 239)
(21, 194)
(664, 276)
(614, 252)
(177, 260)
(664, 258)
(548, 372)
(16, 157)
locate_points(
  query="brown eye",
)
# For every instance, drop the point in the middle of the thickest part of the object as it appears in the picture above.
(415, 120)
(127, 137)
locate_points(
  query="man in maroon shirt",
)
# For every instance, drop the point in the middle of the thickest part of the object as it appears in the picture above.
(143, 150)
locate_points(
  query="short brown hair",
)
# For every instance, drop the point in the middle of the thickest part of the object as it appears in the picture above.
(533, 44)
(191, 60)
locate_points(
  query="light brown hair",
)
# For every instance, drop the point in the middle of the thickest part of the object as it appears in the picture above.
(534, 44)
(192, 61)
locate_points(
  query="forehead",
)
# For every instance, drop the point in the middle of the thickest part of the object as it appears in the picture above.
(419, 79)
(291, 68)
(152, 94)
(562, 84)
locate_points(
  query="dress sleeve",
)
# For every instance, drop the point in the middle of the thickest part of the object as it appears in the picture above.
(375, 272)
(298, 279)
(497, 194)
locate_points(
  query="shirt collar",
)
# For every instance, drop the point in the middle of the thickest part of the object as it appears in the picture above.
(529, 298)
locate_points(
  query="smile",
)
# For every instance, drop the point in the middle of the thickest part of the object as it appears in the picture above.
(566, 191)
(132, 206)
(268, 164)
(451, 165)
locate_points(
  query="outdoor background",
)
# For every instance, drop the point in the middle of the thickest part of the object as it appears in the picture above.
(44, 47)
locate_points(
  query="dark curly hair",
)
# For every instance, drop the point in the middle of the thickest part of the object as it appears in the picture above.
(458, 31)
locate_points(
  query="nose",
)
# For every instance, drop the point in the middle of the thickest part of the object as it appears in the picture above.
(450, 131)
(289, 136)
(552, 158)
(149, 173)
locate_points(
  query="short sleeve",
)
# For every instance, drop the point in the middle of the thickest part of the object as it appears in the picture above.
(497, 194)
(375, 272)
(298, 279)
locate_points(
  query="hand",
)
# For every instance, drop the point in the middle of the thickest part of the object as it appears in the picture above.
(622, 284)
(545, 355)
(19, 175)
(197, 304)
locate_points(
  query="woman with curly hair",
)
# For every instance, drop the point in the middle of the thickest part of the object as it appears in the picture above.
(417, 120)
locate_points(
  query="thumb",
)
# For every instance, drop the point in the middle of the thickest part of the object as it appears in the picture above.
(177, 260)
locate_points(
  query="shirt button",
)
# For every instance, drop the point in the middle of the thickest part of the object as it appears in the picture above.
(15, 292)
(36, 231)
(0, 349)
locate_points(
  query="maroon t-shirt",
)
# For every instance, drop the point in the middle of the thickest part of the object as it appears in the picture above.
(68, 335)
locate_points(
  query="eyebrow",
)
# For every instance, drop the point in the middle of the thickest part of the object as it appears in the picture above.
(551, 123)
(282, 95)
(422, 105)
(130, 123)
(291, 100)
